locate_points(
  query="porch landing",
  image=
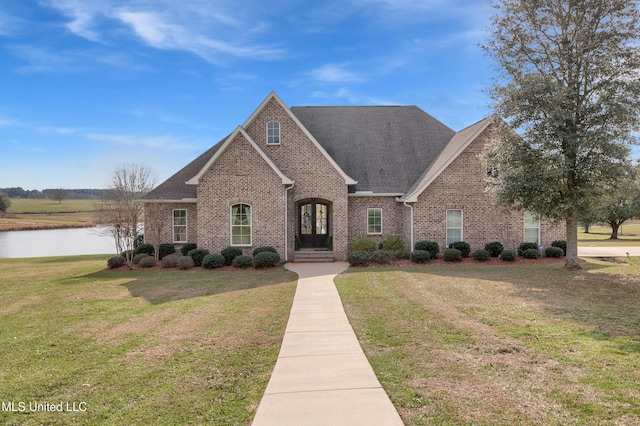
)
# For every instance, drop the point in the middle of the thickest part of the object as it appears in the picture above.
(313, 256)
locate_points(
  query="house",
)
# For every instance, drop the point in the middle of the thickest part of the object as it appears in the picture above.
(293, 177)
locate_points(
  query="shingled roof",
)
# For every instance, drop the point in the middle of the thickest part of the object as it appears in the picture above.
(386, 149)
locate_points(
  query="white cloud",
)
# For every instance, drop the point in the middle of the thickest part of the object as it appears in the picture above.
(165, 143)
(333, 73)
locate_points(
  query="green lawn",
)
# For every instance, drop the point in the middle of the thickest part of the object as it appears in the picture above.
(628, 235)
(43, 205)
(144, 347)
(502, 345)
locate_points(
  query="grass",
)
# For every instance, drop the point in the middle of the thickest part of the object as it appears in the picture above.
(46, 206)
(628, 235)
(502, 345)
(28, 213)
(143, 347)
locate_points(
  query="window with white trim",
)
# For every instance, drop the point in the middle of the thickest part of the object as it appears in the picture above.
(531, 228)
(273, 133)
(454, 226)
(374, 221)
(180, 226)
(240, 225)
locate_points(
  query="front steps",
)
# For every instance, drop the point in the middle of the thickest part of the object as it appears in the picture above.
(313, 256)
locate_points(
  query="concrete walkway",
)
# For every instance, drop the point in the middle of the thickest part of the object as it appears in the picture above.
(322, 377)
(608, 251)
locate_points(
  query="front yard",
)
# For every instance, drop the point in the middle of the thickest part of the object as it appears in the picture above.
(502, 345)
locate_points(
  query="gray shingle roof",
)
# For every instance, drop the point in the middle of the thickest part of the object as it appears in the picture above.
(385, 148)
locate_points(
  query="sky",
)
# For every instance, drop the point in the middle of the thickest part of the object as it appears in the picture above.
(90, 85)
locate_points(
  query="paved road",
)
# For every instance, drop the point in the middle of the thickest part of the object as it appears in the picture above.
(608, 251)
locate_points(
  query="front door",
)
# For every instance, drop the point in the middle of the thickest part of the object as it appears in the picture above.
(313, 223)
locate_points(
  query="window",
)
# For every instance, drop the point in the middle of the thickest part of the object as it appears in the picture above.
(374, 221)
(179, 226)
(531, 228)
(273, 133)
(454, 226)
(241, 225)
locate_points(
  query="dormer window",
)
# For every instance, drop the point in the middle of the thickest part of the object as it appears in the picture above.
(273, 133)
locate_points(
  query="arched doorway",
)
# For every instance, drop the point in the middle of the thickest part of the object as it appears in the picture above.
(313, 219)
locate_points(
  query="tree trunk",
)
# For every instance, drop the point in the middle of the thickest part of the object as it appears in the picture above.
(571, 260)
(614, 229)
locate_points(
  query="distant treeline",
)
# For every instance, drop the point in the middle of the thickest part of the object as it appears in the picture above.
(75, 194)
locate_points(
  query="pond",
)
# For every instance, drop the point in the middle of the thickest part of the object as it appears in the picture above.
(56, 242)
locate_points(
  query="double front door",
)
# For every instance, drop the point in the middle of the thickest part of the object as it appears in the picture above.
(313, 222)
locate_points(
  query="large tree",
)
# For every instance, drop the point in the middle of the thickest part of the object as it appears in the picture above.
(569, 86)
(620, 202)
(121, 210)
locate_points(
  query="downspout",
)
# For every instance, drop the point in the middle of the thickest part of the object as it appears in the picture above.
(286, 221)
(411, 209)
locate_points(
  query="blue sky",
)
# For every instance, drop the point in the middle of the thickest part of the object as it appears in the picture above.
(86, 85)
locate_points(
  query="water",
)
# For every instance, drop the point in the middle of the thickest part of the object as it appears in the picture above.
(56, 242)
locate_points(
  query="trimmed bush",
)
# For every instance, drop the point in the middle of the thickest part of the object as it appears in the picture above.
(420, 256)
(383, 257)
(184, 262)
(553, 252)
(481, 255)
(452, 255)
(562, 244)
(526, 246)
(266, 259)
(393, 244)
(115, 262)
(241, 261)
(165, 249)
(264, 248)
(213, 260)
(229, 254)
(531, 254)
(138, 257)
(494, 248)
(430, 246)
(145, 248)
(464, 248)
(187, 248)
(170, 260)
(198, 255)
(508, 255)
(148, 262)
(364, 244)
(359, 258)
(328, 242)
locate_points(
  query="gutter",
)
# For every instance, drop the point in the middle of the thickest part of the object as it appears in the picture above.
(286, 221)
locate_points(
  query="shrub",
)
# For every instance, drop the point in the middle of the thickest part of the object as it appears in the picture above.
(508, 255)
(187, 248)
(393, 244)
(170, 261)
(214, 260)
(383, 257)
(481, 255)
(264, 248)
(420, 256)
(266, 259)
(356, 258)
(241, 261)
(146, 249)
(148, 262)
(560, 244)
(229, 254)
(364, 244)
(116, 261)
(197, 255)
(430, 246)
(139, 239)
(494, 248)
(531, 253)
(452, 255)
(328, 243)
(165, 249)
(5, 202)
(138, 257)
(184, 262)
(553, 252)
(464, 248)
(526, 246)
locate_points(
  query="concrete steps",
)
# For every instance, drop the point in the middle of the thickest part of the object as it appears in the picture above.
(313, 256)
